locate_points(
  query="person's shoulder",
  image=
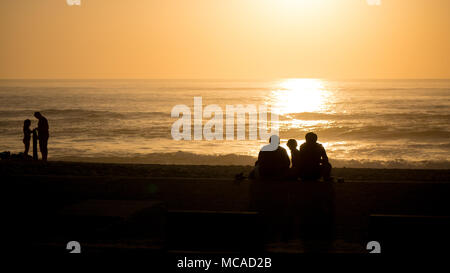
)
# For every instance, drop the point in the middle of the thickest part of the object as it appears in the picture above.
(283, 153)
(320, 146)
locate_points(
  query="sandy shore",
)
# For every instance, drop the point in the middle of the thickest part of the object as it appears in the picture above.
(40, 189)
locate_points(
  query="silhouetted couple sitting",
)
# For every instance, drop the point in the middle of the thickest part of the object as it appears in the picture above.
(308, 163)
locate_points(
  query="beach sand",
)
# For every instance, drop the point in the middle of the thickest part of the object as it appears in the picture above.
(37, 190)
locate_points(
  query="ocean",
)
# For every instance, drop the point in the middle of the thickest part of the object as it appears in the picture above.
(361, 123)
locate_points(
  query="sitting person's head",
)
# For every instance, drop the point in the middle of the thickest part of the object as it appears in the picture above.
(26, 123)
(311, 137)
(274, 145)
(274, 140)
(292, 144)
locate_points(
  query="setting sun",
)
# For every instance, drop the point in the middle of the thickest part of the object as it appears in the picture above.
(300, 95)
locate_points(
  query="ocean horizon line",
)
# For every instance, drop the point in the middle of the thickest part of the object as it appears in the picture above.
(227, 79)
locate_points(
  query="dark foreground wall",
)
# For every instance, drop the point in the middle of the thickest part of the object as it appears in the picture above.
(35, 199)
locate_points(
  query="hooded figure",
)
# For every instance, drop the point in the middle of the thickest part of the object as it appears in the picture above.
(273, 160)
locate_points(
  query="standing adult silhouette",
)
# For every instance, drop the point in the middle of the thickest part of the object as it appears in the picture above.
(43, 134)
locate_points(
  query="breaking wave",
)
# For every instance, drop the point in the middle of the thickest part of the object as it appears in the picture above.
(187, 158)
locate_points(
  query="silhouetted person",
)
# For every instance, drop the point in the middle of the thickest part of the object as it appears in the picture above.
(314, 160)
(294, 171)
(273, 160)
(35, 141)
(43, 134)
(26, 136)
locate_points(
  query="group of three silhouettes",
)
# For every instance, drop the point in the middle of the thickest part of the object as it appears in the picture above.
(310, 162)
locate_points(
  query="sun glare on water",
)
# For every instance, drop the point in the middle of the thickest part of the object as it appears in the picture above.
(299, 95)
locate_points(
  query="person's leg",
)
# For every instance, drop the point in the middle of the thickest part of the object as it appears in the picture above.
(257, 172)
(252, 174)
(311, 173)
(301, 173)
(316, 174)
(43, 147)
(45, 154)
(27, 147)
(292, 173)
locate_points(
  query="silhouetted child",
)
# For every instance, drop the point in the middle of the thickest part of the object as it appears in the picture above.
(26, 136)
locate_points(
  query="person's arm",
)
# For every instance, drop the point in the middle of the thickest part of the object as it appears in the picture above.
(35, 132)
(292, 159)
(286, 160)
(324, 155)
(296, 158)
(301, 155)
(259, 158)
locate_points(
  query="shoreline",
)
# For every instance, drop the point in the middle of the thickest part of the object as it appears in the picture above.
(66, 168)
(188, 158)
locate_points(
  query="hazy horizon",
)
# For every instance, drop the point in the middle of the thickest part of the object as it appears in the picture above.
(211, 39)
(229, 79)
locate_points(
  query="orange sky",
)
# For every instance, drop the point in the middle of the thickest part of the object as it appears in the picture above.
(224, 39)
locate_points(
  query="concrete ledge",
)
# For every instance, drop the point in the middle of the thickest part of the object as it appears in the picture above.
(400, 233)
(102, 220)
(214, 231)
